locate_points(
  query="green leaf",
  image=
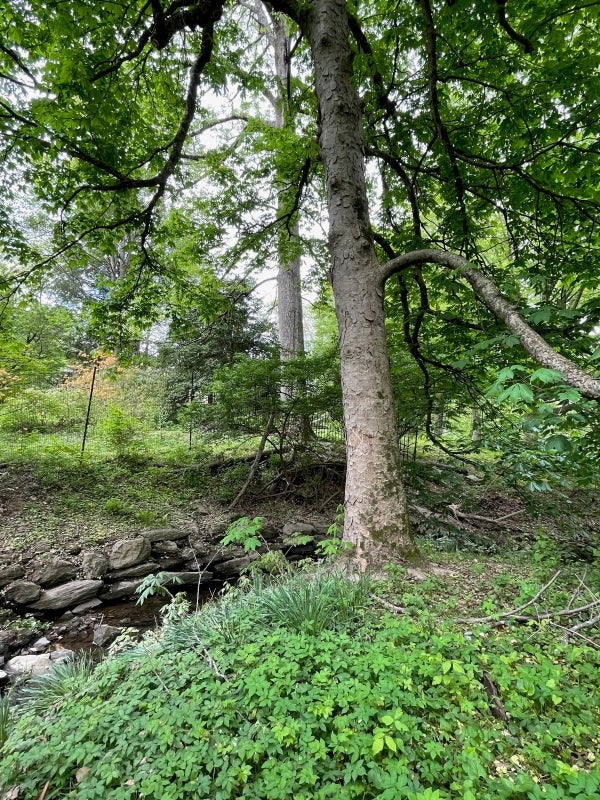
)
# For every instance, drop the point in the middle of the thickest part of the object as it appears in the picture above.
(544, 375)
(518, 392)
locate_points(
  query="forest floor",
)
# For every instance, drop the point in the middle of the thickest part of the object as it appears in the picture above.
(467, 526)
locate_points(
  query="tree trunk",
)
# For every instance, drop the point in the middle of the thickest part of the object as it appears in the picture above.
(289, 287)
(376, 513)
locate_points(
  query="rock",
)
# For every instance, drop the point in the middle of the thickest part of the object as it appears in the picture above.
(226, 554)
(190, 578)
(298, 527)
(128, 552)
(232, 568)
(139, 571)
(120, 589)
(54, 572)
(321, 529)
(187, 554)
(83, 607)
(94, 565)
(74, 550)
(67, 596)
(169, 564)
(36, 665)
(105, 635)
(167, 548)
(9, 573)
(268, 532)
(11, 640)
(165, 534)
(22, 592)
(43, 547)
(40, 645)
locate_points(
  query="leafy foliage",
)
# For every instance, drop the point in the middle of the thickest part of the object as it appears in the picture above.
(378, 707)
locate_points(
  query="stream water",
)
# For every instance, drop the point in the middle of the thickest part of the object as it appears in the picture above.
(126, 614)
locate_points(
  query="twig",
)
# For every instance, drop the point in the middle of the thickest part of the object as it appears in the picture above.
(213, 664)
(387, 604)
(478, 518)
(578, 589)
(586, 624)
(493, 693)
(44, 791)
(569, 632)
(514, 612)
(255, 463)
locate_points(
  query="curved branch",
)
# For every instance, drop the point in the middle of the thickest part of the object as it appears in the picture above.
(487, 291)
(506, 26)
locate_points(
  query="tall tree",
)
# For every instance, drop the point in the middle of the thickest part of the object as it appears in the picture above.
(483, 119)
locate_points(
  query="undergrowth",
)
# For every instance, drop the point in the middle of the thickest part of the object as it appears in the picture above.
(244, 700)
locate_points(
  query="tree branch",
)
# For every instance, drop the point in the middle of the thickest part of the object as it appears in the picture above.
(487, 291)
(506, 26)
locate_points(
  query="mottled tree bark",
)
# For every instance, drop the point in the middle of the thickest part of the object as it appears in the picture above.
(376, 514)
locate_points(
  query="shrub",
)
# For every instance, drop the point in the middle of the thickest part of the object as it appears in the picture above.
(123, 432)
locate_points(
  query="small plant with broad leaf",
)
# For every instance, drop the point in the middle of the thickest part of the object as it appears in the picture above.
(156, 584)
(334, 545)
(246, 532)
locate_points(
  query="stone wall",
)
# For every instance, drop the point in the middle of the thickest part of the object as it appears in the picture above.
(51, 583)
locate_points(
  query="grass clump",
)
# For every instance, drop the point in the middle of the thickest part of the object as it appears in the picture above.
(46, 692)
(244, 701)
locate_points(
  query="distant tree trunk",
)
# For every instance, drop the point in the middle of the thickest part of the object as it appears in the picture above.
(475, 425)
(376, 511)
(289, 279)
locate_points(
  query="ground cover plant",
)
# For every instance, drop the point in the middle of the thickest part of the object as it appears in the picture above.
(239, 702)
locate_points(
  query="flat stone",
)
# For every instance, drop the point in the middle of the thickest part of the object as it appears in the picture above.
(40, 645)
(139, 571)
(165, 534)
(298, 527)
(167, 548)
(14, 639)
(128, 552)
(67, 596)
(321, 529)
(190, 578)
(83, 607)
(94, 565)
(120, 589)
(54, 572)
(169, 564)
(227, 553)
(232, 568)
(22, 592)
(36, 665)
(9, 573)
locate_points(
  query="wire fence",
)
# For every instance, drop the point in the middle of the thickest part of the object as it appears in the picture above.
(100, 409)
